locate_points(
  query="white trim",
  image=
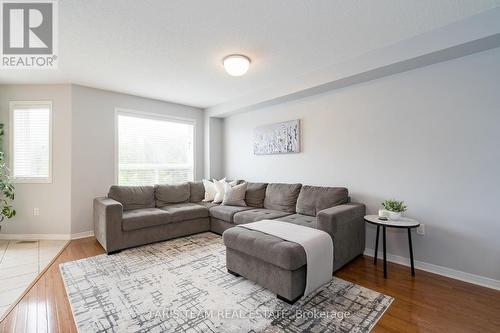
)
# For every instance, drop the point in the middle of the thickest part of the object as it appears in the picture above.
(440, 270)
(154, 116)
(115, 148)
(34, 104)
(84, 234)
(77, 235)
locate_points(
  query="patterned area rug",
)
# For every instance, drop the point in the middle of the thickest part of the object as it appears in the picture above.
(182, 286)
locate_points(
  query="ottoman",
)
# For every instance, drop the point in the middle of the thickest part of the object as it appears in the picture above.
(273, 263)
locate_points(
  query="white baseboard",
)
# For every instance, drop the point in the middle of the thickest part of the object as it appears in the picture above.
(47, 236)
(84, 234)
(440, 270)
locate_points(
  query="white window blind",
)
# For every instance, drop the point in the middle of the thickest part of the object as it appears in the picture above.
(154, 150)
(31, 141)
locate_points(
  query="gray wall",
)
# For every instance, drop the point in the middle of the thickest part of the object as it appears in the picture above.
(429, 137)
(53, 200)
(213, 148)
(93, 140)
(83, 154)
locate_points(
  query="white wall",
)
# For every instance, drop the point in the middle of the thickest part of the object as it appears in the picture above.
(93, 143)
(429, 137)
(53, 200)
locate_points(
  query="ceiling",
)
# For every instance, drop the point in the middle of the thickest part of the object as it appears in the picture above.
(172, 50)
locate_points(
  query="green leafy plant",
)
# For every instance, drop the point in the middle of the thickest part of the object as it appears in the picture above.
(6, 187)
(394, 206)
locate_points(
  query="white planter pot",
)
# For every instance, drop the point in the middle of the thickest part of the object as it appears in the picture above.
(383, 213)
(394, 216)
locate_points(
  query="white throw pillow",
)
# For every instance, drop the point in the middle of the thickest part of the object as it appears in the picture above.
(219, 190)
(234, 195)
(210, 190)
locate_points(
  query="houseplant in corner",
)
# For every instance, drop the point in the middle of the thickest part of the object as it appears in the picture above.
(393, 209)
(6, 187)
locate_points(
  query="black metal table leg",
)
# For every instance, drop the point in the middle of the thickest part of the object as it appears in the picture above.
(385, 253)
(376, 246)
(411, 253)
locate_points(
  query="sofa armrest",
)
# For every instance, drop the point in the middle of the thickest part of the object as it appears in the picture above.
(108, 215)
(339, 217)
(345, 223)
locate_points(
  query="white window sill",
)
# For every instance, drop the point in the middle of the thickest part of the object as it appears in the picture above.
(32, 180)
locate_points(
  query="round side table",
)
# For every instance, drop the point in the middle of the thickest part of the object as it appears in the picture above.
(405, 223)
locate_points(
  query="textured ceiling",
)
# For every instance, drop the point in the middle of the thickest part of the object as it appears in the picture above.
(172, 50)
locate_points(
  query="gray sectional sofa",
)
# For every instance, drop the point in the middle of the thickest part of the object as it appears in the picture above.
(135, 215)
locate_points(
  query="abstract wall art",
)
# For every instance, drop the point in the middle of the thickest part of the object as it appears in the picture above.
(278, 138)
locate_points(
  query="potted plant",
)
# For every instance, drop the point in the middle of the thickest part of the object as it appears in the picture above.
(393, 209)
(6, 187)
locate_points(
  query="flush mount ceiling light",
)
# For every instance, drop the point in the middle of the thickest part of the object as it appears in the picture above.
(236, 64)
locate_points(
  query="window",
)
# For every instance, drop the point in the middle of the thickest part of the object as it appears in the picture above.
(31, 155)
(153, 149)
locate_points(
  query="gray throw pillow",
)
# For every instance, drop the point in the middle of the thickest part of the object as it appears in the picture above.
(256, 192)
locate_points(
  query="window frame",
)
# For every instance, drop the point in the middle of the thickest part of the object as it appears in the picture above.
(153, 116)
(13, 105)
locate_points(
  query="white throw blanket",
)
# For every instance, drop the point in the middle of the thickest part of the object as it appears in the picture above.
(317, 244)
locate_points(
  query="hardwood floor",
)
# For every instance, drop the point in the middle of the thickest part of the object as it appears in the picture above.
(45, 307)
(425, 303)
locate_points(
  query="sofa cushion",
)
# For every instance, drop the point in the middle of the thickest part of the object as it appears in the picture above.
(256, 192)
(305, 220)
(197, 191)
(271, 249)
(257, 214)
(282, 197)
(312, 199)
(143, 218)
(186, 211)
(133, 197)
(171, 194)
(226, 213)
